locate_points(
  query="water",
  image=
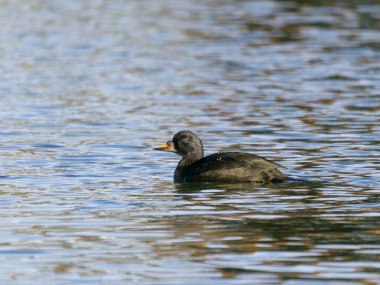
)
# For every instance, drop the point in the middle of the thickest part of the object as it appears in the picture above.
(90, 87)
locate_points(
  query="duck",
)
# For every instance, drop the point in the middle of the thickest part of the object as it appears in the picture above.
(218, 167)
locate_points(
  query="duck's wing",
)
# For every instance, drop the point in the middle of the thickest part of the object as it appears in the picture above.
(228, 160)
(236, 166)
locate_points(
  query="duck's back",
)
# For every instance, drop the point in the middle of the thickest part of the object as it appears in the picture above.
(231, 167)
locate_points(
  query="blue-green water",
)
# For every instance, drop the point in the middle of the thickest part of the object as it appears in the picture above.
(88, 88)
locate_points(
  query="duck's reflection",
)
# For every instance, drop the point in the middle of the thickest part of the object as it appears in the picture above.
(243, 227)
(248, 186)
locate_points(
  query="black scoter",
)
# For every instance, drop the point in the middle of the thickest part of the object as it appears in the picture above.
(218, 167)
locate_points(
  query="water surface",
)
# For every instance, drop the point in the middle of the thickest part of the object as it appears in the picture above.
(90, 87)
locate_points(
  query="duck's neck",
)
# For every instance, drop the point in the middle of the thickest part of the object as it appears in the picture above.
(190, 158)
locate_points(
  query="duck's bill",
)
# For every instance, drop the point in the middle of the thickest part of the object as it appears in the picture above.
(166, 147)
(163, 147)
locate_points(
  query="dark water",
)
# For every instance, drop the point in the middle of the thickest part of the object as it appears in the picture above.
(88, 88)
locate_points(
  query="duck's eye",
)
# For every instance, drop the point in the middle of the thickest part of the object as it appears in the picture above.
(184, 139)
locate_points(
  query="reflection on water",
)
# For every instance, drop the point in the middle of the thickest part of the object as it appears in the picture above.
(89, 88)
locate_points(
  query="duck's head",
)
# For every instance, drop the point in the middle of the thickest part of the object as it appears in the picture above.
(184, 143)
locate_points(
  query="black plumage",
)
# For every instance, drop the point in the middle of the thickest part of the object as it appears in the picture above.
(218, 167)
